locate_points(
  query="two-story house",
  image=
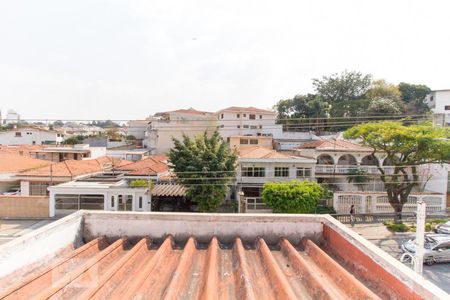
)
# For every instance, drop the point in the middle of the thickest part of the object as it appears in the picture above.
(258, 165)
(30, 136)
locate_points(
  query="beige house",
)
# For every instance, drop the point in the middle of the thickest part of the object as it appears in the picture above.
(243, 141)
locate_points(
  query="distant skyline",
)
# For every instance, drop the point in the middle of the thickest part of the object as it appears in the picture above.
(112, 59)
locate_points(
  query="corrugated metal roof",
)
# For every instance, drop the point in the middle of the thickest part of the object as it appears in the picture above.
(145, 270)
(169, 190)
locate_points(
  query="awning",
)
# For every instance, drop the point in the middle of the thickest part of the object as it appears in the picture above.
(168, 190)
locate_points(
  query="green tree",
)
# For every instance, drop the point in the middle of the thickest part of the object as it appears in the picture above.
(292, 197)
(405, 148)
(414, 97)
(383, 106)
(204, 165)
(344, 92)
(358, 177)
(73, 140)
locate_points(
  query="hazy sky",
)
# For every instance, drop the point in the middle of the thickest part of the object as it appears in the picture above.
(128, 59)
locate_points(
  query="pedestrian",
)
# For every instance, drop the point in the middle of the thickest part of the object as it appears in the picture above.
(352, 215)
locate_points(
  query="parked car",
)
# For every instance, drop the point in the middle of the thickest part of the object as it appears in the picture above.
(437, 248)
(12, 192)
(443, 228)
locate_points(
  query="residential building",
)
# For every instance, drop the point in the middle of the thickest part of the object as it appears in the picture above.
(11, 164)
(258, 165)
(30, 136)
(244, 141)
(439, 102)
(68, 152)
(117, 255)
(130, 154)
(290, 140)
(239, 121)
(35, 182)
(166, 126)
(12, 117)
(137, 128)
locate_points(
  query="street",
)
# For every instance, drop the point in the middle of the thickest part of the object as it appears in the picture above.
(390, 242)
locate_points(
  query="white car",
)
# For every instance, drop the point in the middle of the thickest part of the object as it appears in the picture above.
(12, 192)
(443, 228)
(437, 248)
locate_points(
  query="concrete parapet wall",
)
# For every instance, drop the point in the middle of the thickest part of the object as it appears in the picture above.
(24, 207)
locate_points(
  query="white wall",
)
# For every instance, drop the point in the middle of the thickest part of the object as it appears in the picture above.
(29, 137)
(438, 174)
(264, 123)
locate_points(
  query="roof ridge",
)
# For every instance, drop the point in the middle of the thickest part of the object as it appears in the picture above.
(68, 168)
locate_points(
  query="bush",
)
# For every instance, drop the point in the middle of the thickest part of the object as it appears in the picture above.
(292, 197)
(396, 227)
(140, 183)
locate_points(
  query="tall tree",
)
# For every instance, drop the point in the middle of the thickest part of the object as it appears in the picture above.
(204, 165)
(414, 97)
(405, 148)
(345, 92)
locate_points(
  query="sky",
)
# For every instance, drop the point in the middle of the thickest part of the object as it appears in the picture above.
(117, 59)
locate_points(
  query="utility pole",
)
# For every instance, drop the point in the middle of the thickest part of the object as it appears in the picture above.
(420, 236)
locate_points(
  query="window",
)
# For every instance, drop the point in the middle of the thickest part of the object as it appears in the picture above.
(238, 116)
(260, 116)
(18, 134)
(112, 201)
(243, 141)
(239, 126)
(281, 172)
(303, 172)
(140, 202)
(252, 117)
(253, 127)
(222, 126)
(447, 107)
(253, 172)
(246, 126)
(221, 116)
(244, 115)
(260, 126)
(253, 142)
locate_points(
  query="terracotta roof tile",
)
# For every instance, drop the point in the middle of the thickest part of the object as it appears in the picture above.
(261, 152)
(70, 168)
(338, 145)
(14, 163)
(150, 165)
(246, 109)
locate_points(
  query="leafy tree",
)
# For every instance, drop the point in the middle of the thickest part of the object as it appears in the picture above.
(345, 92)
(383, 106)
(382, 89)
(292, 197)
(141, 183)
(414, 96)
(58, 123)
(73, 140)
(204, 165)
(406, 148)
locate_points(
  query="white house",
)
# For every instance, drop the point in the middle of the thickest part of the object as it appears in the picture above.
(69, 152)
(439, 102)
(239, 121)
(258, 165)
(30, 136)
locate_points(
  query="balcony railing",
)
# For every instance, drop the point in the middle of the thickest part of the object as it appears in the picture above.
(345, 169)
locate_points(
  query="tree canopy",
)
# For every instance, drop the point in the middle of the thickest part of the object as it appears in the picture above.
(405, 148)
(414, 97)
(204, 165)
(292, 197)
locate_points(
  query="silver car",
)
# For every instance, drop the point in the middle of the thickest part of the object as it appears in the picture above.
(443, 228)
(437, 248)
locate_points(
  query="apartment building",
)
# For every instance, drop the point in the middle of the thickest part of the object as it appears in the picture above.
(251, 121)
(165, 126)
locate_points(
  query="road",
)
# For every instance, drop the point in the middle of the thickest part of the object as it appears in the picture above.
(390, 242)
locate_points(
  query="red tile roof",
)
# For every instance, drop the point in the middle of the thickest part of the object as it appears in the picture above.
(246, 109)
(71, 168)
(126, 270)
(149, 165)
(190, 111)
(20, 149)
(14, 163)
(332, 145)
(264, 153)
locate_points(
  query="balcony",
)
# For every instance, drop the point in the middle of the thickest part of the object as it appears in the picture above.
(345, 169)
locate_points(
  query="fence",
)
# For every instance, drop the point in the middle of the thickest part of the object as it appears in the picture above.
(256, 205)
(24, 207)
(378, 203)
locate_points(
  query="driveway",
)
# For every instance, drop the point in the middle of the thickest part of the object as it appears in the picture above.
(390, 242)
